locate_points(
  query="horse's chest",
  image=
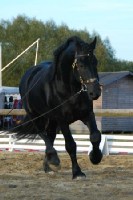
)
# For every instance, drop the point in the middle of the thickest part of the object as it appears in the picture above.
(75, 112)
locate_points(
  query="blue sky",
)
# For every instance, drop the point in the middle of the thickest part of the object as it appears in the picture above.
(109, 18)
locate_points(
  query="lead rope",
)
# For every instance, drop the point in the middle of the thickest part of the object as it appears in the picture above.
(83, 89)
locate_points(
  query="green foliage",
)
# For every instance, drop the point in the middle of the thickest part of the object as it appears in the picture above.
(16, 35)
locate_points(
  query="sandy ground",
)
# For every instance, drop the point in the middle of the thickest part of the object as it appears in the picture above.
(22, 177)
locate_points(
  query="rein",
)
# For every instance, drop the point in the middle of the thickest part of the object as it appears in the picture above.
(83, 89)
(81, 55)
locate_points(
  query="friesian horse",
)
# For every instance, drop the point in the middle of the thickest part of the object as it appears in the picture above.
(57, 94)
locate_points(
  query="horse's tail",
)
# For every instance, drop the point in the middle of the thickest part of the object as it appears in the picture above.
(26, 129)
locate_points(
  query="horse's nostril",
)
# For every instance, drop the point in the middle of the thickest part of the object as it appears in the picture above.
(91, 94)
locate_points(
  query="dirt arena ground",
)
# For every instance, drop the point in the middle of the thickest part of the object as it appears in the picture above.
(22, 178)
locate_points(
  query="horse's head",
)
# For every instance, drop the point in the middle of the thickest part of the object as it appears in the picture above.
(85, 68)
(76, 57)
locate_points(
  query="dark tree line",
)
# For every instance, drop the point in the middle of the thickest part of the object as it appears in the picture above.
(17, 34)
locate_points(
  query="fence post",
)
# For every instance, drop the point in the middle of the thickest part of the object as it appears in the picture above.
(105, 150)
(11, 143)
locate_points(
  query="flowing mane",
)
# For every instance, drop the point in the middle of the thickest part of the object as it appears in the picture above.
(63, 46)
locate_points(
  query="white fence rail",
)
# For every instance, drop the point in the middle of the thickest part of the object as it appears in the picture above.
(110, 144)
(120, 144)
(8, 142)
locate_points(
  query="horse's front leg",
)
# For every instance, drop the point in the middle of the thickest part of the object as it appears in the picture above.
(95, 138)
(70, 146)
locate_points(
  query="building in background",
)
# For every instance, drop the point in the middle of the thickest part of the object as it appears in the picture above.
(9, 99)
(117, 93)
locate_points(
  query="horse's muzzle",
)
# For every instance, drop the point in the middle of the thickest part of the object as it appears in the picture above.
(94, 90)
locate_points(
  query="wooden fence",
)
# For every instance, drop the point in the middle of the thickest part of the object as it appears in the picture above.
(98, 112)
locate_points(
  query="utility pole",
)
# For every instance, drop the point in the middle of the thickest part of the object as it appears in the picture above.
(0, 64)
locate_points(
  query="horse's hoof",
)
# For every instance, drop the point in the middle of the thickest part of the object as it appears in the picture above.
(80, 176)
(50, 168)
(51, 173)
(51, 163)
(96, 156)
(54, 168)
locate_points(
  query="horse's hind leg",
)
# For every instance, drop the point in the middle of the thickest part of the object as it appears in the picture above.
(51, 160)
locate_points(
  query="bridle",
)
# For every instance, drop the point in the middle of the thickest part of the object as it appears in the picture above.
(75, 64)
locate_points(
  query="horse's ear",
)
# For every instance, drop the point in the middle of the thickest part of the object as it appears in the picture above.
(93, 44)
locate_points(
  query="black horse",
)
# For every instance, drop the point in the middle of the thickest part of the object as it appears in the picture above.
(57, 94)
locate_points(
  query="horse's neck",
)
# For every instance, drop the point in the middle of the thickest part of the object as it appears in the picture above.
(65, 81)
(64, 69)
(62, 80)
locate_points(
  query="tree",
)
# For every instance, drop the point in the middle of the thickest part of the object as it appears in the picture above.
(16, 35)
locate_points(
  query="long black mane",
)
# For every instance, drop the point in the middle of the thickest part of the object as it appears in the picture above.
(57, 53)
